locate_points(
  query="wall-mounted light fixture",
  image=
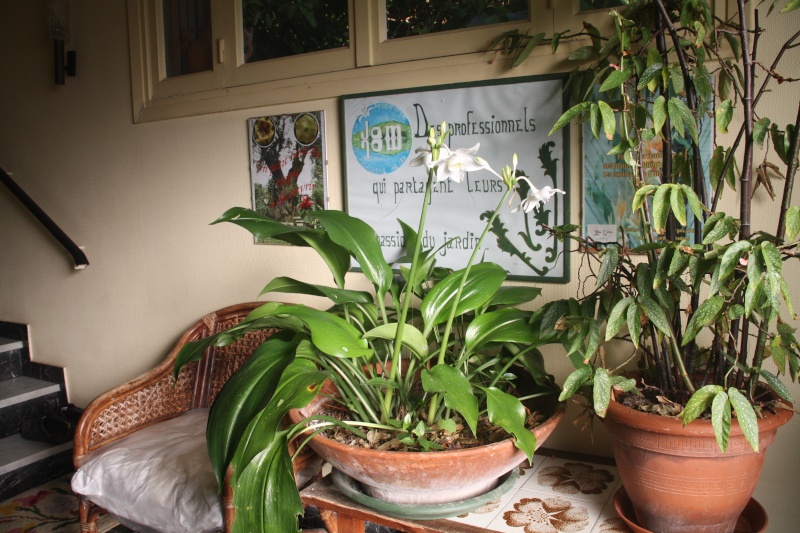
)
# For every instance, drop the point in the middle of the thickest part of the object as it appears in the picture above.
(59, 31)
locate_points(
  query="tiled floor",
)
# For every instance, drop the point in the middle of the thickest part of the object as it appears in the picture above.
(555, 495)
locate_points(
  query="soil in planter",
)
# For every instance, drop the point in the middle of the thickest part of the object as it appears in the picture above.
(462, 438)
(654, 400)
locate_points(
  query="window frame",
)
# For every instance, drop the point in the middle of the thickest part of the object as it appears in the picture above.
(233, 84)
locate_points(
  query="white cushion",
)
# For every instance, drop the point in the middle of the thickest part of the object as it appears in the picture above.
(157, 480)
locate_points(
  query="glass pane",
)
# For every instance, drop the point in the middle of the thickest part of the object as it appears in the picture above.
(588, 5)
(280, 28)
(418, 17)
(187, 36)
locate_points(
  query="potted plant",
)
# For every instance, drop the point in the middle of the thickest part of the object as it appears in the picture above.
(428, 361)
(698, 306)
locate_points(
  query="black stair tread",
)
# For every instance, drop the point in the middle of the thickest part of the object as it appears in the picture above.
(6, 345)
(16, 452)
(23, 388)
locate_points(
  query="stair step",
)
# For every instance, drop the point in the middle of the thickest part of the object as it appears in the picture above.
(6, 345)
(21, 389)
(25, 464)
(16, 452)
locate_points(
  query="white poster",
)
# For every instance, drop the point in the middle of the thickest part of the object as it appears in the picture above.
(381, 131)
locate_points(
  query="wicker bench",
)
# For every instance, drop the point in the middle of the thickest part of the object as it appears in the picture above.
(155, 397)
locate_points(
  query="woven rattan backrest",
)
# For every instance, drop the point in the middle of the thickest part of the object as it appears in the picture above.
(220, 362)
(155, 396)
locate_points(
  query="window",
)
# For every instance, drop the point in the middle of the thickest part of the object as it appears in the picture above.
(196, 56)
(405, 18)
(277, 28)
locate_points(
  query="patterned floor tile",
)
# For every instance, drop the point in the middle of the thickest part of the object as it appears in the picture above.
(609, 522)
(537, 512)
(574, 479)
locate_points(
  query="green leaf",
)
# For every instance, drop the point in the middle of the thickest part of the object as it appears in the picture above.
(595, 120)
(653, 72)
(504, 325)
(245, 394)
(594, 339)
(721, 419)
(746, 416)
(583, 54)
(507, 411)
(760, 130)
(263, 479)
(715, 166)
(731, 257)
(634, 323)
(609, 120)
(718, 230)
(515, 295)
(533, 42)
(791, 5)
(724, 115)
(656, 315)
(412, 337)
(617, 317)
(608, 266)
(681, 116)
(678, 204)
(772, 257)
(699, 402)
(456, 390)
(615, 79)
(262, 227)
(705, 315)
(661, 208)
(571, 113)
(267, 490)
(338, 296)
(575, 381)
(358, 238)
(482, 283)
(601, 392)
(641, 195)
(792, 223)
(694, 202)
(331, 334)
(776, 384)
(752, 294)
(659, 113)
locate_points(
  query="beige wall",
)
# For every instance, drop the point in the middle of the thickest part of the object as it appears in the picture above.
(140, 197)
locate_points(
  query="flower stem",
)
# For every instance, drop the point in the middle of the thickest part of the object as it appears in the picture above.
(408, 295)
(433, 406)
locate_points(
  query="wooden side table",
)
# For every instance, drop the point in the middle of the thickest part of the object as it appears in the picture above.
(343, 515)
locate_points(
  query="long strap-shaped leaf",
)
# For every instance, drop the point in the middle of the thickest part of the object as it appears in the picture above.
(336, 295)
(362, 242)
(483, 282)
(265, 493)
(336, 257)
(504, 325)
(244, 395)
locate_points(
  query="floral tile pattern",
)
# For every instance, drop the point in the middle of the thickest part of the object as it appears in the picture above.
(554, 495)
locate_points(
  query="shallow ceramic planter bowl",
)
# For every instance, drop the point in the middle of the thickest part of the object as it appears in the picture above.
(423, 477)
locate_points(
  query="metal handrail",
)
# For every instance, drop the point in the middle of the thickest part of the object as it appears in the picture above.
(78, 257)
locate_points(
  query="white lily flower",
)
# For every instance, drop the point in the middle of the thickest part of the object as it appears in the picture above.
(537, 197)
(454, 164)
(425, 157)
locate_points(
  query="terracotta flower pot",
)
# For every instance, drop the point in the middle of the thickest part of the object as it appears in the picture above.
(424, 477)
(678, 479)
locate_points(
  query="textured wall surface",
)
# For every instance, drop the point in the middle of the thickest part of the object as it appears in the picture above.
(139, 197)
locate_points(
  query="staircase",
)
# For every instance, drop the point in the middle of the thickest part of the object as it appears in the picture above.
(27, 390)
